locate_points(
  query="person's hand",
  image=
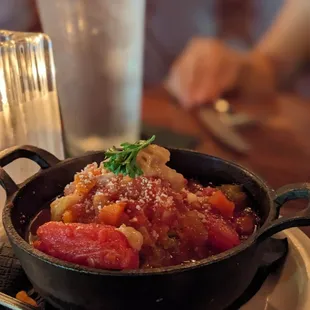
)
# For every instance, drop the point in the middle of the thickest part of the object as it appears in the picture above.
(205, 69)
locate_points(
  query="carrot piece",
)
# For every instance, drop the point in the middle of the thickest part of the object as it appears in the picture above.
(96, 172)
(83, 184)
(22, 296)
(219, 201)
(111, 214)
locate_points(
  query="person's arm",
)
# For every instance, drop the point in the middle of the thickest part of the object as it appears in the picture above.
(282, 48)
(288, 39)
(208, 69)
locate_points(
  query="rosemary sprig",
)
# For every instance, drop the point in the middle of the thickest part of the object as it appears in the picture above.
(123, 160)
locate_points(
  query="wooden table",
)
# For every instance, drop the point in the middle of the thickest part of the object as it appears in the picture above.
(280, 151)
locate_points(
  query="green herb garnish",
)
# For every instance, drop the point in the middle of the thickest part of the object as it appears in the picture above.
(123, 160)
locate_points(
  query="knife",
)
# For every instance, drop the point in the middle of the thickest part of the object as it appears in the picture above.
(210, 119)
(210, 116)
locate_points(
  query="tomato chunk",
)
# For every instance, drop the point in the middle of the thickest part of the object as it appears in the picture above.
(93, 245)
(221, 235)
(219, 201)
(246, 224)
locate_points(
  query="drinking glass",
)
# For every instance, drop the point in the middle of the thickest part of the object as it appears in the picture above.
(98, 48)
(29, 112)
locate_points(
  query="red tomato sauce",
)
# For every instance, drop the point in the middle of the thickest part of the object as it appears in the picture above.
(177, 226)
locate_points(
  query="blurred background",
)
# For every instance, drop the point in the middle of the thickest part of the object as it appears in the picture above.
(279, 148)
(171, 24)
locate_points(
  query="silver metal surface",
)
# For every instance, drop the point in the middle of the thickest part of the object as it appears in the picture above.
(225, 133)
(220, 120)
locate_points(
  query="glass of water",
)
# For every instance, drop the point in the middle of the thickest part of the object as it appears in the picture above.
(29, 112)
(98, 49)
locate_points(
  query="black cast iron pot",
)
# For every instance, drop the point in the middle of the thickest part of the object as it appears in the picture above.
(212, 283)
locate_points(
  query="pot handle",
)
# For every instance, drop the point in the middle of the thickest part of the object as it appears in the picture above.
(43, 158)
(283, 195)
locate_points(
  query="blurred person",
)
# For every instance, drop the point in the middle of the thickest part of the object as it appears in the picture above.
(19, 15)
(207, 68)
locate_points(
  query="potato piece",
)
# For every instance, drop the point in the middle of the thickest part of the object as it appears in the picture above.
(100, 200)
(191, 198)
(152, 160)
(134, 237)
(60, 205)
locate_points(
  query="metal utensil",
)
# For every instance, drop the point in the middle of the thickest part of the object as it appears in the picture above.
(220, 121)
(220, 130)
(232, 118)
